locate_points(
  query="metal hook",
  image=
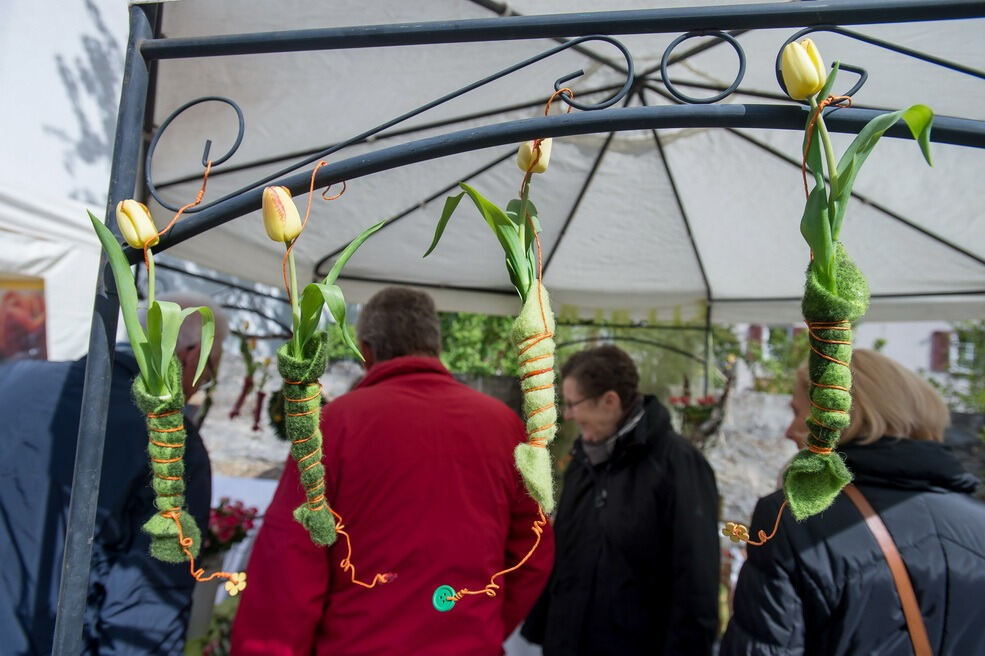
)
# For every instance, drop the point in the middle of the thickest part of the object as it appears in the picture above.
(148, 176)
(619, 95)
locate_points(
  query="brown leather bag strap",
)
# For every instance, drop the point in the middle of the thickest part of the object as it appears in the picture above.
(911, 610)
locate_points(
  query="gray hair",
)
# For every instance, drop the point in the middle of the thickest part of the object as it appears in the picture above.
(400, 321)
(191, 330)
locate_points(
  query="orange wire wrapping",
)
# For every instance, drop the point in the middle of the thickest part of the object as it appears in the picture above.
(740, 532)
(819, 450)
(167, 430)
(830, 428)
(317, 502)
(158, 415)
(492, 586)
(834, 387)
(830, 100)
(346, 563)
(198, 199)
(823, 409)
(167, 445)
(304, 224)
(198, 574)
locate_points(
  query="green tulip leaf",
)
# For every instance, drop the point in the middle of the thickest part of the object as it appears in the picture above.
(164, 320)
(507, 232)
(920, 119)
(331, 295)
(350, 251)
(816, 230)
(158, 365)
(312, 300)
(208, 337)
(513, 212)
(127, 292)
(451, 203)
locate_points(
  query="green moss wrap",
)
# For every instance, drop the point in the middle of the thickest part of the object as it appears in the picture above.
(166, 446)
(813, 480)
(535, 356)
(302, 406)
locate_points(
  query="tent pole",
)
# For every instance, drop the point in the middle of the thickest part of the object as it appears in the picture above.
(74, 584)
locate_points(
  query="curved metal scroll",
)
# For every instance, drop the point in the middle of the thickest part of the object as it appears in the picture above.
(205, 152)
(621, 93)
(702, 101)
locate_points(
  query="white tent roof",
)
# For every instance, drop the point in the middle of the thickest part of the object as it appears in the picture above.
(631, 236)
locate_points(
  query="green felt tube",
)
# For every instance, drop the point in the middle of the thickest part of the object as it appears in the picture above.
(166, 446)
(813, 479)
(532, 335)
(302, 405)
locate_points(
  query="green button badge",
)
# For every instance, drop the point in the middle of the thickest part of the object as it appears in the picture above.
(442, 598)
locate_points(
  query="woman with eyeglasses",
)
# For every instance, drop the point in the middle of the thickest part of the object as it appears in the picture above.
(637, 551)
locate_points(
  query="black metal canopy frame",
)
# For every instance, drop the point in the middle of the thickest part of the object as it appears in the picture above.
(723, 23)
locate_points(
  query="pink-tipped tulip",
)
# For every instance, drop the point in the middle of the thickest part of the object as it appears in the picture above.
(280, 215)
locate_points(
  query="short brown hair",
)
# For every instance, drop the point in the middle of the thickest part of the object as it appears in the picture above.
(602, 368)
(889, 400)
(400, 321)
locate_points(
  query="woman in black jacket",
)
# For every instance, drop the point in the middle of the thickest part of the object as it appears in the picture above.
(637, 551)
(823, 586)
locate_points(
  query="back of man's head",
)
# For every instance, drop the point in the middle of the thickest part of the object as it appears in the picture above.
(399, 321)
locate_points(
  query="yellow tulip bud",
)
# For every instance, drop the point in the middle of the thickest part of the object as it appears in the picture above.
(136, 224)
(803, 71)
(280, 215)
(527, 154)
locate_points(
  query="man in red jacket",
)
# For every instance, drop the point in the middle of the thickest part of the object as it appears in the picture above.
(420, 468)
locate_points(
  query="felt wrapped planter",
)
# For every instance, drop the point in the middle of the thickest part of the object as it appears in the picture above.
(532, 335)
(302, 412)
(817, 474)
(166, 446)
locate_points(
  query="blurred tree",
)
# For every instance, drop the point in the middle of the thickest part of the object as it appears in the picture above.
(773, 367)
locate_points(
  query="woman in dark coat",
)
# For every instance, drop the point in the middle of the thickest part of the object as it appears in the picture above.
(823, 586)
(637, 551)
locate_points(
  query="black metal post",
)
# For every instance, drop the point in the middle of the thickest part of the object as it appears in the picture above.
(74, 584)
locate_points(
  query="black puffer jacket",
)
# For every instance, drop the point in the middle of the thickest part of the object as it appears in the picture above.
(823, 587)
(637, 556)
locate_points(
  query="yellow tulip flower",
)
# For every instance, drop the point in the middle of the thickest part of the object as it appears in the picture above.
(803, 71)
(136, 224)
(525, 156)
(280, 215)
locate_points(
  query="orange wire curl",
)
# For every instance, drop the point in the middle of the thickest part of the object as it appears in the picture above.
(198, 199)
(740, 532)
(490, 589)
(346, 563)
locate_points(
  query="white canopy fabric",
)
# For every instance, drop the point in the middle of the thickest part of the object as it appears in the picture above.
(628, 238)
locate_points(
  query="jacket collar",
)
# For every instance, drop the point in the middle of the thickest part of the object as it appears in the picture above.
(654, 424)
(402, 366)
(907, 464)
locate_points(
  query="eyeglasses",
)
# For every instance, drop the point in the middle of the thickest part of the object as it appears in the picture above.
(572, 404)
